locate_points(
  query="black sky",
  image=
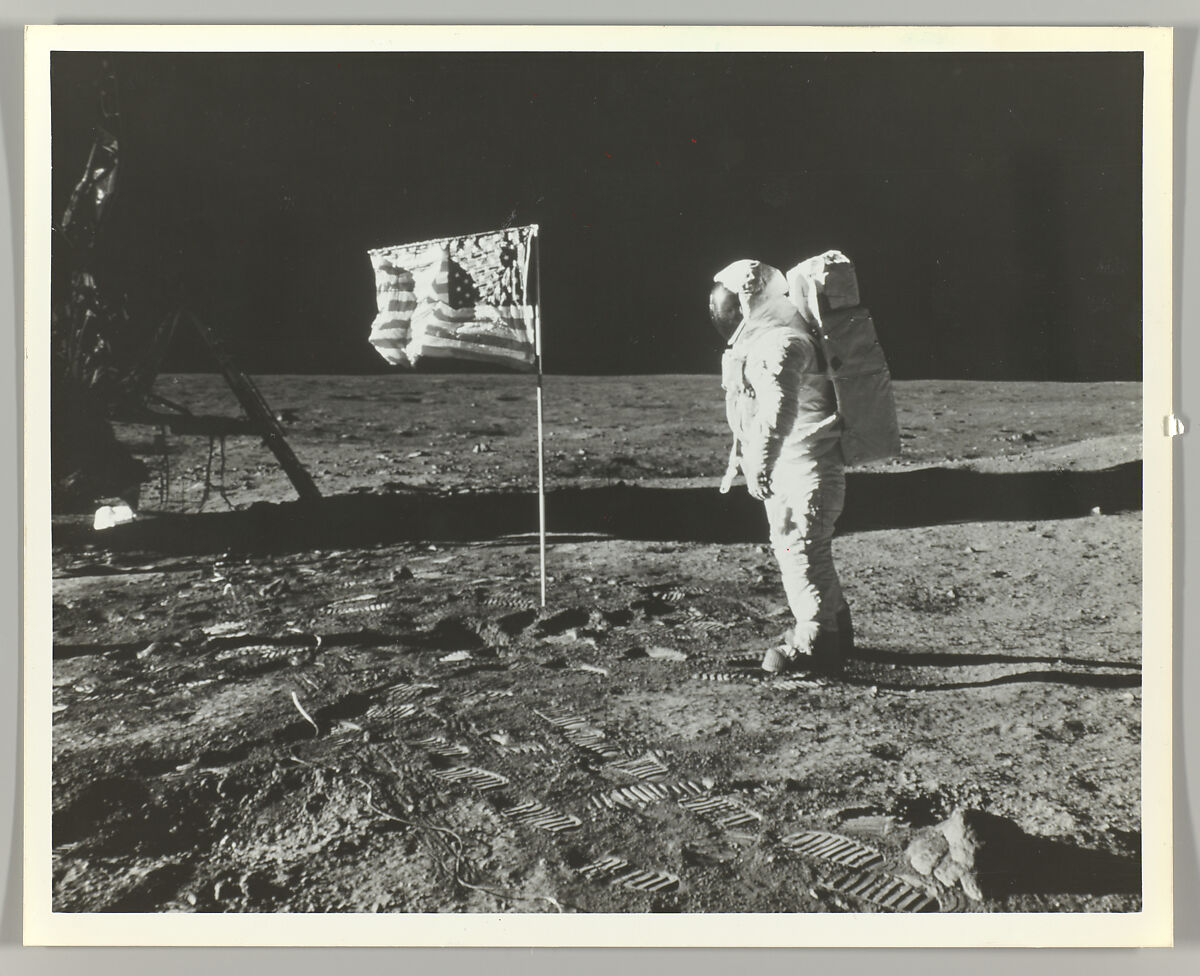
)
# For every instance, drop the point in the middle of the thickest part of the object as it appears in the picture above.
(992, 202)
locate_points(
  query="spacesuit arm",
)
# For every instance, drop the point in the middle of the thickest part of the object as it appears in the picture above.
(776, 378)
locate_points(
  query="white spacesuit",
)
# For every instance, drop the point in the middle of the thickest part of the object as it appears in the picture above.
(780, 404)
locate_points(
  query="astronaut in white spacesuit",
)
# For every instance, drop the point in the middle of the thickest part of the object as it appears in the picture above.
(781, 408)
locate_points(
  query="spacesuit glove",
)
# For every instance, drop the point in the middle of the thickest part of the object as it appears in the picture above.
(758, 483)
(732, 468)
(727, 480)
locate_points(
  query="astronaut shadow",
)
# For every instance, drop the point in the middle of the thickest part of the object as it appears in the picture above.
(874, 500)
(1116, 674)
(949, 659)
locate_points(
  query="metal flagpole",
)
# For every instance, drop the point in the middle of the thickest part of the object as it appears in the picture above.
(537, 339)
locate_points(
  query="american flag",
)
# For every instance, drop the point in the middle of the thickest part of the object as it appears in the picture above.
(456, 298)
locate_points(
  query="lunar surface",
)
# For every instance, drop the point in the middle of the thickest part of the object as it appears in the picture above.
(359, 704)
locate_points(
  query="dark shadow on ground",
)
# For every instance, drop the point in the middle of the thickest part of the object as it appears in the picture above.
(1012, 862)
(946, 659)
(1079, 679)
(1051, 867)
(913, 680)
(1128, 674)
(906, 499)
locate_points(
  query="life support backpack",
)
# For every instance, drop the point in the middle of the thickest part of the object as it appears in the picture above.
(825, 291)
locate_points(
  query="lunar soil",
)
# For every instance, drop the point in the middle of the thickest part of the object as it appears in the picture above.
(360, 705)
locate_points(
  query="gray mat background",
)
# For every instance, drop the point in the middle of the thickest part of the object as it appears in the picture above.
(1184, 15)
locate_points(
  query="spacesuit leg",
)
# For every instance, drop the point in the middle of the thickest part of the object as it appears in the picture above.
(808, 495)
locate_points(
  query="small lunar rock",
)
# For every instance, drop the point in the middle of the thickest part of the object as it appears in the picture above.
(232, 628)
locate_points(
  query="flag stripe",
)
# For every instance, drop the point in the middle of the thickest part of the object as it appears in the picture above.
(478, 338)
(474, 353)
(380, 342)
